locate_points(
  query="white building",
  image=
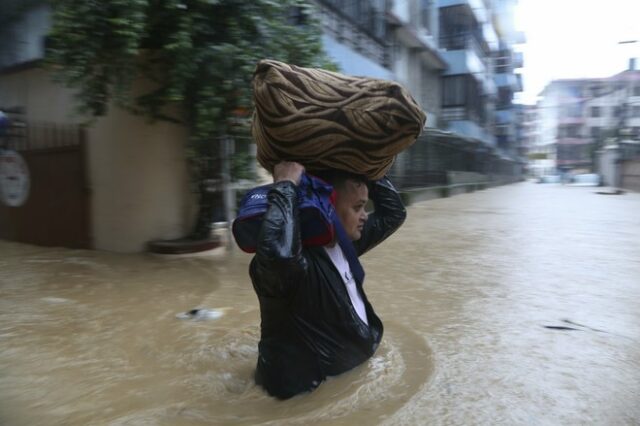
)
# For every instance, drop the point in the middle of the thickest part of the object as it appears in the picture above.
(508, 81)
(577, 117)
(389, 40)
(415, 59)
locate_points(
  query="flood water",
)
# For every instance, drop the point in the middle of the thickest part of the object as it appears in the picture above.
(517, 305)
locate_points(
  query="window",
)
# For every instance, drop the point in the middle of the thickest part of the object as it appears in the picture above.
(569, 131)
(595, 111)
(636, 111)
(456, 26)
(573, 131)
(636, 91)
(453, 91)
(365, 16)
(574, 111)
(617, 111)
(505, 96)
(595, 132)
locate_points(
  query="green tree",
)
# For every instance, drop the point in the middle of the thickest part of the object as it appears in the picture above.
(199, 56)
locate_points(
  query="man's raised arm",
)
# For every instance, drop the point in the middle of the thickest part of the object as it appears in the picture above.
(278, 262)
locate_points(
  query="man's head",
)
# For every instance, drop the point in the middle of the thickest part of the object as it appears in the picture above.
(352, 195)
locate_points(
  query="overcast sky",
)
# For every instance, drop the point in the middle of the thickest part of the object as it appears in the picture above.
(575, 39)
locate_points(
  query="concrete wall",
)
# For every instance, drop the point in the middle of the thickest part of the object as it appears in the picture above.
(137, 171)
(42, 101)
(630, 175)
(459, 183)
(139, 181)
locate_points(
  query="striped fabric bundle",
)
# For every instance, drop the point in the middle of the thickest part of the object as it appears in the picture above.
(323, 119)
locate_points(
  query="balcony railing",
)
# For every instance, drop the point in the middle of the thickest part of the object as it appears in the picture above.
(361, 13)
(461, 41)
(468, 42)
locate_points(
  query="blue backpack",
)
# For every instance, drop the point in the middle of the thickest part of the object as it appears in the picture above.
(317, 214)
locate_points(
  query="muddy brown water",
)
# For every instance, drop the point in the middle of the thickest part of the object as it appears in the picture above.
(513, 305)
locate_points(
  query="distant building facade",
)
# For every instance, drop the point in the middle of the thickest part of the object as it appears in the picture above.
(456, 57)
(526, 132)
(580, 116)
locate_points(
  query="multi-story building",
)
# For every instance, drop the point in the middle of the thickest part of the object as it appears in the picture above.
(415, 59)
(454, 56)
(564, 122)
(391, 40)
(540, 152)
(467, 38)
(508, 82)
(525, 129)
(615, 110)
(578, 116)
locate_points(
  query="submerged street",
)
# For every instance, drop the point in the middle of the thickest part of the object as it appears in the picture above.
(512, 305)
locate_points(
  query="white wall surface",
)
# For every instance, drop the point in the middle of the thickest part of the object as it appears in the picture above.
(137, 171)
(139, 181)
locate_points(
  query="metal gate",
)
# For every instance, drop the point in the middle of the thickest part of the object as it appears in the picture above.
(57, 209)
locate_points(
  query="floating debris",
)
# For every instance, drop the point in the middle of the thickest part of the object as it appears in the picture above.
(201, 314)
(560, 327)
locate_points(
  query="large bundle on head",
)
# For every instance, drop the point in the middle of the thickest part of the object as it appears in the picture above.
(323, 119)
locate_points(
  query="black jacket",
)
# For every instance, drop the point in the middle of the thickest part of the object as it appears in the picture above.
(309, 328)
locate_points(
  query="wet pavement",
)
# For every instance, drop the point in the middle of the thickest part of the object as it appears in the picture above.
(516, 305)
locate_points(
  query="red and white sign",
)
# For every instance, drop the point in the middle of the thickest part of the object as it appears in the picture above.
(14, 179)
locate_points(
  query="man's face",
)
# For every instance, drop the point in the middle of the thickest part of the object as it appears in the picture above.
(350, 201)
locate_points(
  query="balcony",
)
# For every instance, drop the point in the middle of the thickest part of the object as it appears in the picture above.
(564, 120)
(463, 54)
(463, 122)
(518, 60)
(506, 80)
(477, 7)
(505, 116)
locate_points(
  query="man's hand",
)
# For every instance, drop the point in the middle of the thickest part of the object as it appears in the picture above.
(288, 170)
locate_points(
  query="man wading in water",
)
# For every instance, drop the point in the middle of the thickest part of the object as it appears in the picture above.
(316, 320)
